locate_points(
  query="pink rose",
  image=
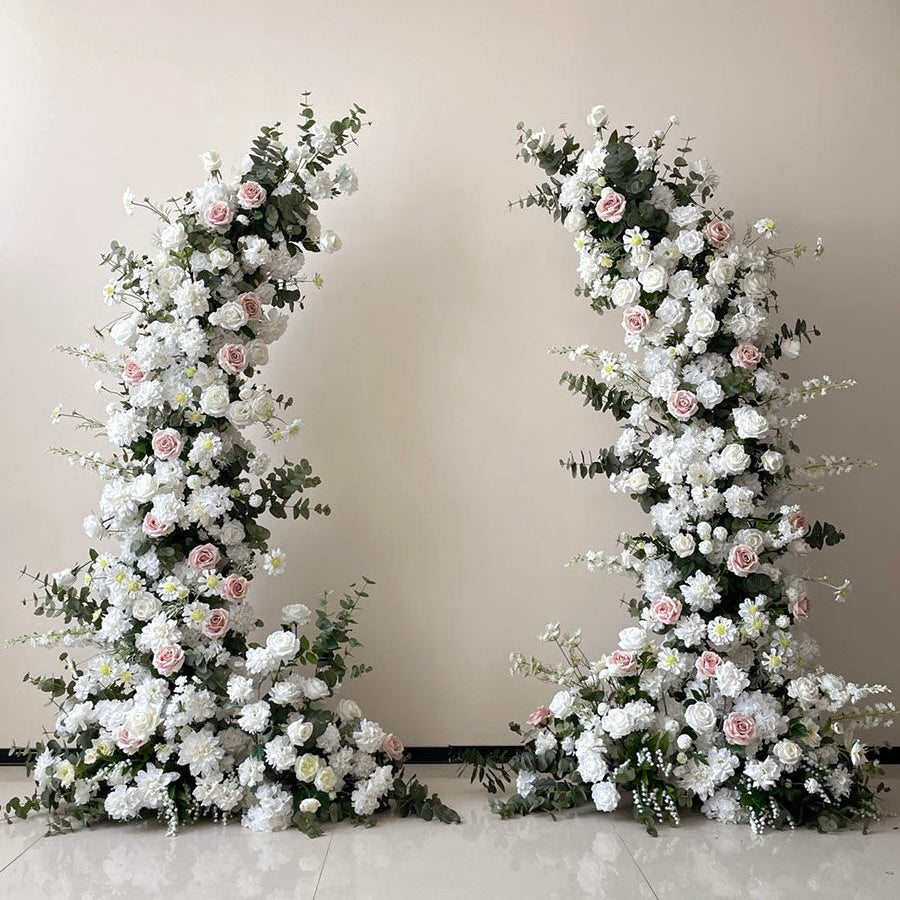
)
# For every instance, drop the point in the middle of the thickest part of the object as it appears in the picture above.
(126, 741)
(204, 556)
(682, 404)
(168, 659)
(392, 746)
(218, 213)
(739, 729)
(251, 195)
(216, 624)
(539, 716)
(166, 444)
(742, 560)
(707, 663)
(610, 206)
(666, 610)
(133, 373)
(620, 662)
(717, 232)
(746, 356)
(251, 304)
(798, 524)
(233, 358)
(152, 527)
(235, 587)
(799, 606)
(635, 319)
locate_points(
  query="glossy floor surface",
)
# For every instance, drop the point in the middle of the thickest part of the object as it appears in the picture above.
(580, 855)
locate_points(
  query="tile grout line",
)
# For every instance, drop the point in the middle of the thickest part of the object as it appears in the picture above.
(22, 852)
(322, 867)
(624, 843)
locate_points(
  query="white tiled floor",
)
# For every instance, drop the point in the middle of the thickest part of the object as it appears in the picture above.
(579, 856)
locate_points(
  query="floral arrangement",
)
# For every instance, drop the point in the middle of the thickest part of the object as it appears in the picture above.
(714, 699)
(158, 719)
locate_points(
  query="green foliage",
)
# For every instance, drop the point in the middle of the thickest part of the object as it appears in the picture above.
(411, 798)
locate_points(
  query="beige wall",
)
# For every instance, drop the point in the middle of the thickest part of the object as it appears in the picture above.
(432, 407)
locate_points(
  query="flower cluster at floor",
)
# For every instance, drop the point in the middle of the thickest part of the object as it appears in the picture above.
(714, 698)
(157, 720)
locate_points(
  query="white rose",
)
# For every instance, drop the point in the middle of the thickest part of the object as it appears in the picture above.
(173, 237)
(690, 243)
(638, 481)
(575, 221)
(232, 316)
(752, 538)
(220, 258)
(605, 796)
(561, 704)
(626, 292)
(617, 723)
(722, 271)
(282, 644)
(710, 394)
(231, 533)
(749, 423)
(314, 688)
(124, 331)
(330, 242)
(296, 614)
(142, 720)
(772, 461)
(326, 780)
(805, 690)
(681, 284)
(787, 753)
(683, 545)
(632, 638)
(257, 353)
(701, 717)
(143, 488)
(300, 731)
(598, 116)
(240, 413)
(540, 139)
(214, 401)
(791, 348)
(285, 692)
(310, 806)
(756, 284)
(211, 160)
(169, 277)
(734, 459)
(653, 278)
(145, 607)
(91, 526)
(703, 323)
(307, 767)
(349, 711)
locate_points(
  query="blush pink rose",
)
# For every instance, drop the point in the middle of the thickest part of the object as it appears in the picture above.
(717, 232)
(742, 560)
(166, 444)
(798, 523)
(168, 659)
(746, 356)
(216, 624)
(251, 195)
(682, 404)
(739, 729)
(252, 305)
(392, 746)
(635, 319)
(133, 373)
(707, 663)
(219, 213)
(235, 587)
(233, 358)
(127, 742)
(610, 206)
(666, 609)
(621, 662)
(204, 556)
(152, 527)
(539, 716)
(799, 606)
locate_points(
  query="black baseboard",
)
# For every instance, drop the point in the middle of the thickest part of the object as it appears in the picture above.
(421, 756)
